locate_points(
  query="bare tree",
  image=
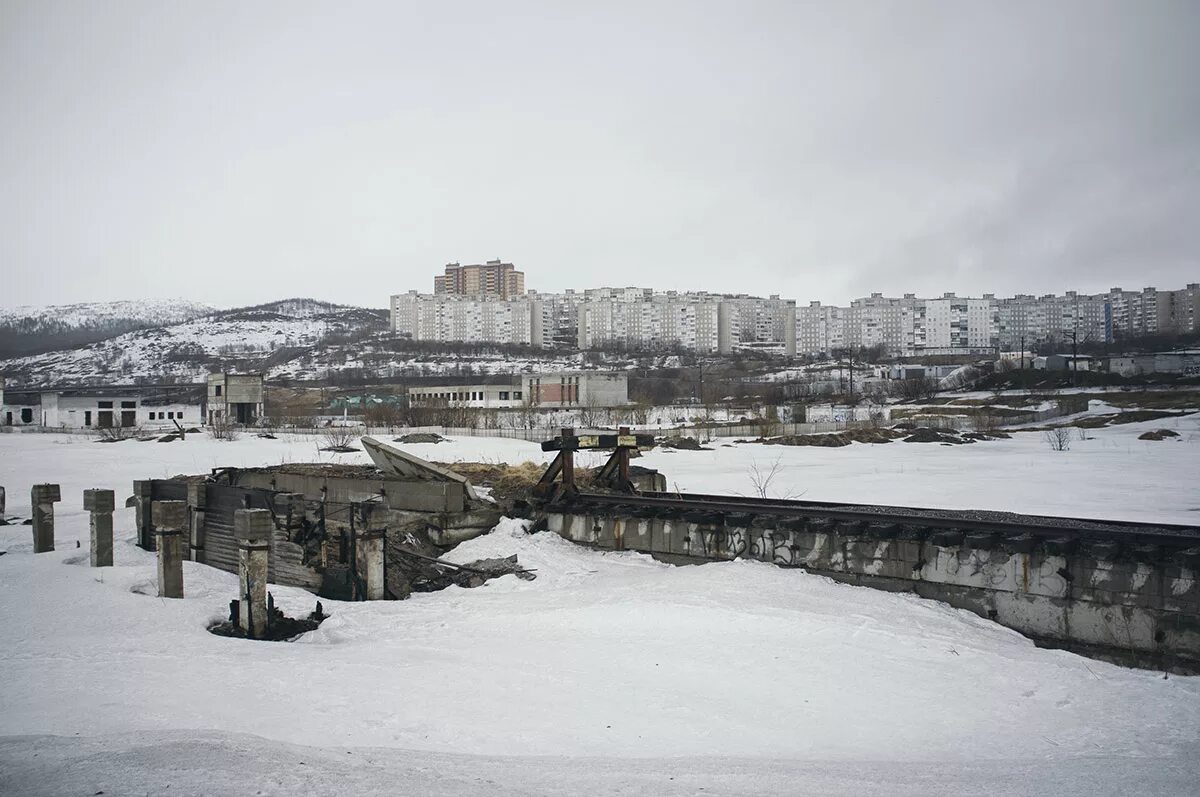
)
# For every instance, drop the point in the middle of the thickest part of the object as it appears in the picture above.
(1058, 438)
(762, 479)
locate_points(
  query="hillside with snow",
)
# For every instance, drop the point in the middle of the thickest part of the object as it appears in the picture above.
(243, 338)
(29, 329)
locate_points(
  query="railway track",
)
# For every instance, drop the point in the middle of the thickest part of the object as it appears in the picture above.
(878, 520)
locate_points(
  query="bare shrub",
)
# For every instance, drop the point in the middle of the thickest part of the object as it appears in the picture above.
(337, 438)
(1059, 438)
(221, 428)
(116, 433)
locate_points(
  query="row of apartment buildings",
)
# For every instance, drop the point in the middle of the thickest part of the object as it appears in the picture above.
(630, 318)
(644, 319)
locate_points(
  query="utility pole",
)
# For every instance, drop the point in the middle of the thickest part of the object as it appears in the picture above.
(1022, 352)
(851, 356)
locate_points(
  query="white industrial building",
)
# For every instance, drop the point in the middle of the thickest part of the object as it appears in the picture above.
(546, 390)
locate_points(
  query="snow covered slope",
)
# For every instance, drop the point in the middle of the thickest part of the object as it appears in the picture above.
(28, 329)
(232, 339)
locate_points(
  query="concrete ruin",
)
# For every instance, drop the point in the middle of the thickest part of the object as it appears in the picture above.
(169, 518)
(1134, 604)
(347, 532)
(42, 498)
(252, 528)
(100, 505)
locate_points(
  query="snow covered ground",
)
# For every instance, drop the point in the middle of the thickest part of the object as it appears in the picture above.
(608, 674)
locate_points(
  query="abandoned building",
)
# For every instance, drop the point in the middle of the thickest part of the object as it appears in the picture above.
(78, 409)
(235, 398)
(556, 390)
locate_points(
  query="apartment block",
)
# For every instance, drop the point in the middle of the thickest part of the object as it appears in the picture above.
(492, 278)
(449, 318)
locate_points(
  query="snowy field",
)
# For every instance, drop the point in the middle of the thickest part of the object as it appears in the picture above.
(608, 674)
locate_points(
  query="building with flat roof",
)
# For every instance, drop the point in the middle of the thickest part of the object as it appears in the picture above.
(552, 390)
(492, 278)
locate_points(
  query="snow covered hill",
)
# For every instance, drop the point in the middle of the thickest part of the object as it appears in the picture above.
(29, 329)
(243, 338)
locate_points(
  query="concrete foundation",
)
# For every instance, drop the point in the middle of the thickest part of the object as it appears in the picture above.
(101, 503)
(169, 520)
(369, 551)
(143, 495)
(43, 497)
(197, 499)
(1135, 605)
(252, 528)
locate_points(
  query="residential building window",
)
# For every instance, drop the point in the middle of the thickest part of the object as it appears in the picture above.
(128, 405)
(504, 395)
(517, 395)
(105, 405)
(218, 390)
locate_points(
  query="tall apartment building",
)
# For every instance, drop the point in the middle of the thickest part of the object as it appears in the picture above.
(905, 326)
(820, 328)
(465, 319)
(1150, 311)
(492, 278)
(1181, 312)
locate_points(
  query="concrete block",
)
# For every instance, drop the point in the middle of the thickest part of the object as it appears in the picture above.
(168, 516)
(197, 495)
(43, 497)
(99, 500)
(252, 526)
(45, 493)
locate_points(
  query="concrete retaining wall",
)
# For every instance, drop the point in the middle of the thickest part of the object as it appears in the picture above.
(1138, 606)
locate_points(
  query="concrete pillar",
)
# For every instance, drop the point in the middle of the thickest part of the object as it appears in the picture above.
(101, 503)
(369, 552)
(143, 493)
(43, 497)
(197, 501)
(252, 528)
(169, 519)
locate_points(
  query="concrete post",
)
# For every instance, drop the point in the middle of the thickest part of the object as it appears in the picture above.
(197, 501)
(101, 503)
(143, 493)
(252, 528)
(43, 497)
(1, 502)
(169, 518)
(369, 553)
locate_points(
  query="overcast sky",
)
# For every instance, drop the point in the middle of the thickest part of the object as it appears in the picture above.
(236, 153)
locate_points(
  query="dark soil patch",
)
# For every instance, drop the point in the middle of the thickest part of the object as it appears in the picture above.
(835, 439)
(1158, 434)
(1137, 416)
(683, 444)
(420, 437)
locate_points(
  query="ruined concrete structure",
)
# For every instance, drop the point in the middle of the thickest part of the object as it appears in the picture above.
(234, 398)
(100, 505)
(338, 531)
(42, 498)
(1136, 604)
